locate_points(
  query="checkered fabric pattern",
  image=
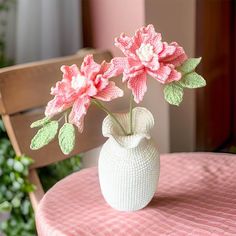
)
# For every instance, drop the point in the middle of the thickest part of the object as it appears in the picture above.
(196, 196)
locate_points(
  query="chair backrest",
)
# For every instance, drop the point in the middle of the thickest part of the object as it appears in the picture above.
(24, 92)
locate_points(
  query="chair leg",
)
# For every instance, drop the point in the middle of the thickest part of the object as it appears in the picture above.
(37, 195)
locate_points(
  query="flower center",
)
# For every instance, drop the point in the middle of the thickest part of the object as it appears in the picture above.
(145, 52)
(78, 82)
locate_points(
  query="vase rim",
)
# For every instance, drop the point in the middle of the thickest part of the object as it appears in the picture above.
(143, 122)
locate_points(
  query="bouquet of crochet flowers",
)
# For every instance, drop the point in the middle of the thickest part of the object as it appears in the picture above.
(145, 55)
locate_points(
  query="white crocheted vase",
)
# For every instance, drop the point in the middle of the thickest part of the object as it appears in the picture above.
(129, 166)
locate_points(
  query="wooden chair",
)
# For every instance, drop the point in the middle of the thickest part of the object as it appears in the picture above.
(24, 92)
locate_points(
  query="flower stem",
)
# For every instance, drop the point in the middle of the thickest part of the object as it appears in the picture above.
(60, 118)
(131, 114)
(100, 105)
(66, 118)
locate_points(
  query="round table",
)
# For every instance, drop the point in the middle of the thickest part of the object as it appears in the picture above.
(196, 195)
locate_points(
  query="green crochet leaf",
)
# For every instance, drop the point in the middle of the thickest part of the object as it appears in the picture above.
(41, 122)
(189, 65)
(67, 138)
(192, 80)
(44, 135)
(173, 93)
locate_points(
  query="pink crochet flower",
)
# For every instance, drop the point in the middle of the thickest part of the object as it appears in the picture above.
(147, 54)
(78, 87)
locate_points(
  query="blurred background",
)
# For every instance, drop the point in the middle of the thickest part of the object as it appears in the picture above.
(32, 30)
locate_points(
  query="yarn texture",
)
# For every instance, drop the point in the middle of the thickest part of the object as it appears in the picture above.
(129, 166)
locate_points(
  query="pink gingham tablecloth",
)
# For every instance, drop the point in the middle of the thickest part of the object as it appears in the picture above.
(196, 195)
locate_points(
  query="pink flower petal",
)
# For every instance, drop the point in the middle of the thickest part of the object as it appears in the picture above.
(165, 74)
(89, 67)
(126, 45)
(133, 73)
(100, 82)
(161, 74)
(133, 69)
(138, 86)
(157, 44)
(104, 67)
(167, 50)
(69, 71)
(147, 35)
(116, 67)
(174, 76)
(61, 87)
(153, 64)
(176, 58)
(109, 93)
(178, 61)
(55, 106)
(91, 89)
(78, 112)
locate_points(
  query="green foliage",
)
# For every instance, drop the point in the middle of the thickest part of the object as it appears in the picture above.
(174, 91)
(67, 138)
(14, 186)
(45, 135)
(189, 65)
(5, 206)
(51, 174)
(14, 189)
(48, 131)
(39, 123)
(192, 80)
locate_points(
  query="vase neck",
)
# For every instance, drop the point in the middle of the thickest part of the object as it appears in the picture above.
(143, 121)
